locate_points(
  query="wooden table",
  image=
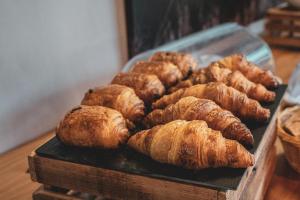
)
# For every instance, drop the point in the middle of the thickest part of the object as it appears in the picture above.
(16, 184)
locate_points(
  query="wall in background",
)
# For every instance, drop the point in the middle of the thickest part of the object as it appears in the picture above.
(51, 52)
(155, 22)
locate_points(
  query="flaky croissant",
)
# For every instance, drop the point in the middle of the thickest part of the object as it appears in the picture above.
(192, 108)
(227, 97)
(167, 72)
(147, 87)
(191, 145)
(235, 79)
(119, 97)
(93, 126)
(250, 70)
(185, 62)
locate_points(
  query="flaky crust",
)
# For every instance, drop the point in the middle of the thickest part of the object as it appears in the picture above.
(93, 126)
(227, 97)
(192, 108)
(191, 145)
(147, 87)
(167, 72)
(250, 70)
(185, 62)
(118, 97)
(235, 79)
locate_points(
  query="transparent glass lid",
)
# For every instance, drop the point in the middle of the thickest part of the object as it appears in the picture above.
(212, 44)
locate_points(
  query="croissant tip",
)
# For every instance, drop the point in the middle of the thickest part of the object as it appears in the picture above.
(252, 160)
(248, 141)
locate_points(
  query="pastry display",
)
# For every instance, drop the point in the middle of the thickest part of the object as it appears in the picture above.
(192, 108)
(185, 62)
(235, 79)
(93, 126)
(250, 70)
(192, 145)
(146, 86)
(196, 125)
(167, 72)
(227, 97)
(118, 97)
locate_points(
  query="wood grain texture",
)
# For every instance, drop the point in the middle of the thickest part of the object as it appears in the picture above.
(113, 184)
(260, 178)
(15, 183)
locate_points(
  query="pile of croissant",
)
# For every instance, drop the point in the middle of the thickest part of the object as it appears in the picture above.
(187, 117)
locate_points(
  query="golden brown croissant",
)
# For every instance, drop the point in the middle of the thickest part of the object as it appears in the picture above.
(93, 126)
(250, 70)
(191, 145)
(147, 87)
(227, 97)
(235, 79)
(119, 97)
(167, 72)
(192, 108)
(185, 62)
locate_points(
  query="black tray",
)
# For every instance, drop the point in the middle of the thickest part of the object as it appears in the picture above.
(129, 161)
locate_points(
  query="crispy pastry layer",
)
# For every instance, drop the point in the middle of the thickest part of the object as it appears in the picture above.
(192, 108)
(119, 97)
(235, 79)
(147, 87)
(167, 72)
(191, 145)
(93, 126)
(250, 70)
(185, 62)
(227, 97)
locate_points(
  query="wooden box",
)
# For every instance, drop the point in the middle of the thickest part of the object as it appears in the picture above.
(125, 174)
(283, 26)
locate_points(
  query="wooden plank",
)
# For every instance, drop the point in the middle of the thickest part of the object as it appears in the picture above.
(292, 42)
(259, 181)
(283, 13)
(113, 184)
(43, 194)
(271, 26)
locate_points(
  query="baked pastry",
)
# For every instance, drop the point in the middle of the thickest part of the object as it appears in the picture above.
(146, 86)
(185, 62)
(192, 145)
(93, 126)
(167, 72)
(226, 97)
(192, 108)
(250, 70)
(235, 79)
(118, 97)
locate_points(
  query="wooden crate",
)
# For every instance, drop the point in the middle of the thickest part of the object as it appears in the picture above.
(283, 26)
(255, 186)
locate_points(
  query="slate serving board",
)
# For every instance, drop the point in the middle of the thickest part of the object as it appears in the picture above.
(129, 161)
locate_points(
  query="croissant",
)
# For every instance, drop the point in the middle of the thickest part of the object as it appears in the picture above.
(93, 126)
(192, 108)
(227, 97)
(185, 62)
(147, 87)
(250, 70)
(118, 97)
(167, 72)
(236, 79)
(191, 145)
